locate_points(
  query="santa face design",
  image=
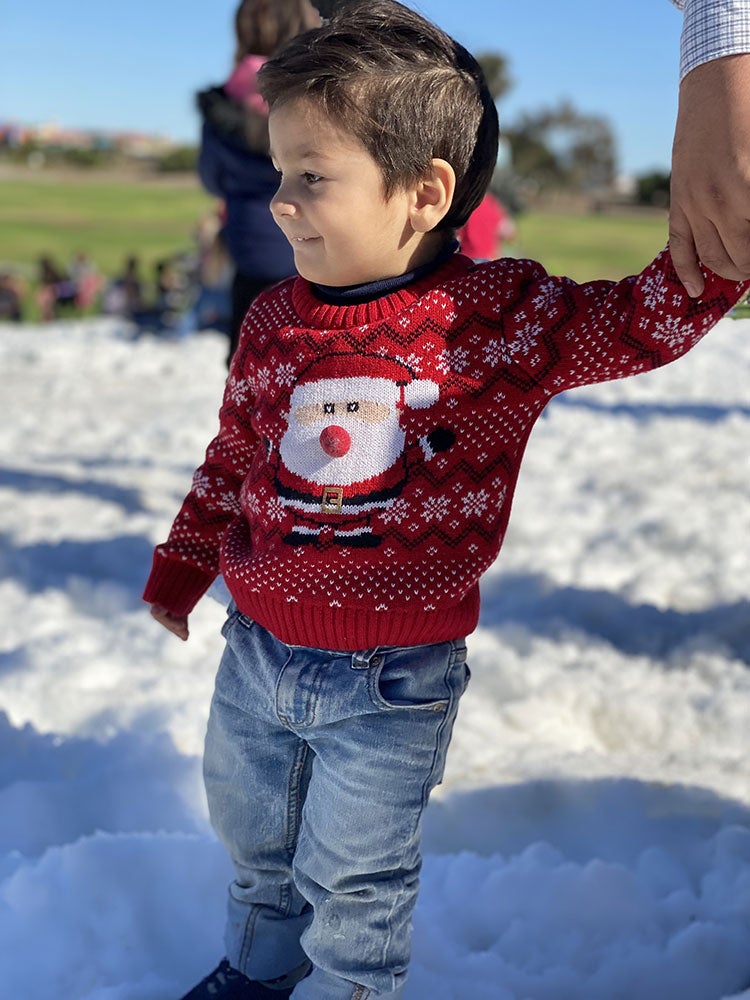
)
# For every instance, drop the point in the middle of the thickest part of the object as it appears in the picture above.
(344, 458)
(343, 431)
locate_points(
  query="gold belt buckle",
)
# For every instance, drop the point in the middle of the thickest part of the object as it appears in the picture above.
(333, 500)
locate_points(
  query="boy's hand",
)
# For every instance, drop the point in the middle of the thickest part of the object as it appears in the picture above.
(178, 624)
(710, 199)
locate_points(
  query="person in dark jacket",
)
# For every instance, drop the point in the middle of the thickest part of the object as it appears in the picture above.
(234, 162)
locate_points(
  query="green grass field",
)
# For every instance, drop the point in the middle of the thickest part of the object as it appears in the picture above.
(110, 218)
(587, 246)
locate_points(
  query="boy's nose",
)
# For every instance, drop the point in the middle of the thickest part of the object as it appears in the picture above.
(280, 205)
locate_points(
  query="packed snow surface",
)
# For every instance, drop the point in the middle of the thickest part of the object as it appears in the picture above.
(591, 840)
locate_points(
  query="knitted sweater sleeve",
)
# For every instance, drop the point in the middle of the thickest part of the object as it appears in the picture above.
(185, 566)
(563, 334)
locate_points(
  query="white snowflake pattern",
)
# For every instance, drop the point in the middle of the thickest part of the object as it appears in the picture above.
(398, 512)
(435, 509)
(274, 509)
(263, 378)
(201, 483)
(285, 374)
(442, 363)
(546, 299)
(229, 502)
(527, 339)
(252, 502)
(654, 291)
(475, 504)
(237, 390)
(674, 331)
(495, 352)
(458, 359)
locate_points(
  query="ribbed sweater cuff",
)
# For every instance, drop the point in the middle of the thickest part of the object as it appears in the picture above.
(176, 585)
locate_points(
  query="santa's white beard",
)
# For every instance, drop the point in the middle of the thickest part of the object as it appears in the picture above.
(374, 448)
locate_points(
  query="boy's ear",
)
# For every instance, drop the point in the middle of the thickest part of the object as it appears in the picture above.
(433, 196)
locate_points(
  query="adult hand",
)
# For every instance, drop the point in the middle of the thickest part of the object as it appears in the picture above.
(178, 624)
(709, 218)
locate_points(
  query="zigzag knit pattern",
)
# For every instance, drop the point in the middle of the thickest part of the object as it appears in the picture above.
(362, 477)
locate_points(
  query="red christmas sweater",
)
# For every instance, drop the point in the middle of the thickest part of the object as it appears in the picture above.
(362, 477)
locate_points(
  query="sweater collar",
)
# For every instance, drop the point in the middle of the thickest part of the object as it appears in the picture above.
(352, 307)
(355, 295)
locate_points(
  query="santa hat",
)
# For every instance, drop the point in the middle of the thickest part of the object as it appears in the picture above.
(364, 377)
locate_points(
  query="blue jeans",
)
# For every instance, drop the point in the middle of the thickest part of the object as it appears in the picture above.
(318, 767)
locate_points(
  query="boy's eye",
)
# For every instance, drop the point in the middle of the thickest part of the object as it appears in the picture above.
(311, 178)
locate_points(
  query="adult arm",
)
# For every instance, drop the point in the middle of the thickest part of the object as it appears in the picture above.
(710, 196)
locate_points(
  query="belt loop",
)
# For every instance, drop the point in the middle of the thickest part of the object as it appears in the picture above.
(362, 659)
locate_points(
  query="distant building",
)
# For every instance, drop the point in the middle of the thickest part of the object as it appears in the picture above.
(51, 135)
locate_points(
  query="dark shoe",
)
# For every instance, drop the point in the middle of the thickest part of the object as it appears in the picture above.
(226, 983)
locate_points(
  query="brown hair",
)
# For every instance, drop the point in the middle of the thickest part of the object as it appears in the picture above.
(262, 26)
(400, 85)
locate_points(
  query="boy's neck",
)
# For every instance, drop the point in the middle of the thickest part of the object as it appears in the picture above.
(351, 295)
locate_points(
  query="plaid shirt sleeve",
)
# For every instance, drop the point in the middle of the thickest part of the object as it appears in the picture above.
(711, 29)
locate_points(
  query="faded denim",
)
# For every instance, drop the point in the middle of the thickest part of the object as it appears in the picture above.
(318, 767)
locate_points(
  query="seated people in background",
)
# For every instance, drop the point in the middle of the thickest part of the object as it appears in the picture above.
(211, 307)
(56, 291)
(86, 278)
(124, 294)
(12, 289)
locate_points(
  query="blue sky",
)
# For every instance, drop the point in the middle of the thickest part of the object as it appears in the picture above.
(138, 64)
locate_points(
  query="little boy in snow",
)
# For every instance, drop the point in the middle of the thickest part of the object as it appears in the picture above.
(371, 434)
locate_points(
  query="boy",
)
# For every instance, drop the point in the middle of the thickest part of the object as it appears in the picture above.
(370, 439)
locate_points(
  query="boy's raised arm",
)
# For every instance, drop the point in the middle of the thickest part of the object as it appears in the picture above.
(564, 334)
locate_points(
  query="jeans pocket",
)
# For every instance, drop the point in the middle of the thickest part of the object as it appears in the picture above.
(425, 678)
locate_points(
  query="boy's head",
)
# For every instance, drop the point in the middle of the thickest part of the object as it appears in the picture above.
(403, 89)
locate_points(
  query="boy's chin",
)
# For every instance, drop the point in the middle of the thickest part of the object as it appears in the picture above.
(323, 276)
(319, 277)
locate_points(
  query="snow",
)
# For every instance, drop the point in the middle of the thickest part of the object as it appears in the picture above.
(591, 840)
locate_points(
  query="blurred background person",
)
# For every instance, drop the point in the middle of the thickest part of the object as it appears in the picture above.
(124, 295)
(87, 280)
(56, 290)
(12, 291)
(210, 305)
(234, 162)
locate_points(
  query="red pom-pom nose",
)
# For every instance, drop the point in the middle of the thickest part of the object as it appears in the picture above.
(335, 441)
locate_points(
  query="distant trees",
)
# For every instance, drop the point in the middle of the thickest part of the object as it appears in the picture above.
(563, 149)
(653, 189)
(558, 148)
(495, 68)
(182, 159)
